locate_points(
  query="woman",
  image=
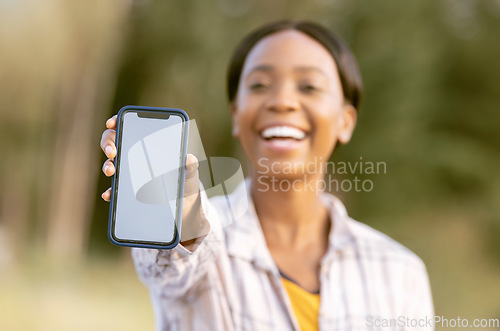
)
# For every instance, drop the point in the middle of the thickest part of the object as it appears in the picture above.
(294, 260)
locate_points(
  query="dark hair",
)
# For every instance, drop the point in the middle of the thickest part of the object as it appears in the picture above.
(347, 67)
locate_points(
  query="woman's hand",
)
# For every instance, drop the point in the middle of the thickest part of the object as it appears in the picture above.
(109, 148)
(193, 223)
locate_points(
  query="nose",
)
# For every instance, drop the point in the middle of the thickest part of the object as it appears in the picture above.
(283, 99)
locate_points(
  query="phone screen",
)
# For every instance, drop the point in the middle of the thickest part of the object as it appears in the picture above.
(149, 167)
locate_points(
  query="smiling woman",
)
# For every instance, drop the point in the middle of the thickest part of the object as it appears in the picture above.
(290, 88)
(295, 259)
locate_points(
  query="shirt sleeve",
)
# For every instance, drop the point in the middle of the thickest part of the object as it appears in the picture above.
(420, 313)
(177, 269)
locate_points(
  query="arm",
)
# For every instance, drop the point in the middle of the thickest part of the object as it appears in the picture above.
(176, 270)
(179, 268)
(420, 306)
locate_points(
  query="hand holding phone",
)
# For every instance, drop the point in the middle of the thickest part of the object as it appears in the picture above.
(145, 207)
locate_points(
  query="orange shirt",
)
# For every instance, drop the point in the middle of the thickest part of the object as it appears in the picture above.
(305, 304)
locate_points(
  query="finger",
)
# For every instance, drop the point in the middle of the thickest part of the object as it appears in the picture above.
(106, 196)
(108, 143)
(111, 123)
(108, 168)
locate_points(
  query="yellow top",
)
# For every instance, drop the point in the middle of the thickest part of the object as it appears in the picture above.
(305, 305)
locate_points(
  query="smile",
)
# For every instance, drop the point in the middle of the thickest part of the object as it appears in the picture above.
(282, 138)
(282, 132)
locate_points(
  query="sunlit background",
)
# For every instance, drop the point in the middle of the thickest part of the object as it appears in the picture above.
(430, 112)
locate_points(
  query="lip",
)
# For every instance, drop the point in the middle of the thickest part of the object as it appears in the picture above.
(283, 145)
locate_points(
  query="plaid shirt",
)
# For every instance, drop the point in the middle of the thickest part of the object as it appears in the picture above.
(230, 281)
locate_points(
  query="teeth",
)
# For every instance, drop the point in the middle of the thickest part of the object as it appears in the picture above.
(283, 132)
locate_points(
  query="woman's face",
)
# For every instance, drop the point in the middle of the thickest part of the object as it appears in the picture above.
(289, 111)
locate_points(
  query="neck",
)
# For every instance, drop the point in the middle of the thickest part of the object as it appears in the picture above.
(290, 211)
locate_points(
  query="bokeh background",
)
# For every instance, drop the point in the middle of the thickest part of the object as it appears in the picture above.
(430, 112)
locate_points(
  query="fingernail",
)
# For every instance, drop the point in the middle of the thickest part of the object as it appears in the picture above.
(109, 150)
(106, 169)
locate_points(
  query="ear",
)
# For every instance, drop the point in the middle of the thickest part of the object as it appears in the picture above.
(348, 119)
(234, 120)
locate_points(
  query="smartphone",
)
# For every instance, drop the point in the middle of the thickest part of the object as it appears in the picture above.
(148, 185)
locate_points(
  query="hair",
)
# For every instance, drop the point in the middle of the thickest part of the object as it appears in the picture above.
(345, 61)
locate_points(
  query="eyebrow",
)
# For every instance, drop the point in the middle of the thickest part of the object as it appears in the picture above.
(262, 67)
(268, 68)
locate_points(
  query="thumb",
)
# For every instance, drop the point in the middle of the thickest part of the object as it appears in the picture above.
(191, 182)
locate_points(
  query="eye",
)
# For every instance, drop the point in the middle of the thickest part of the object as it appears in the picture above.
(258, 86)
(308, 88)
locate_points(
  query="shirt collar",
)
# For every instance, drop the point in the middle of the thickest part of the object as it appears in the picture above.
(246, 240)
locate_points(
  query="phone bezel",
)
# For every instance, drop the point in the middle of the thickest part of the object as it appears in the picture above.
(159, 111)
